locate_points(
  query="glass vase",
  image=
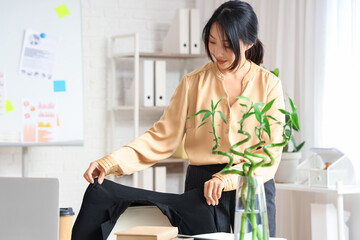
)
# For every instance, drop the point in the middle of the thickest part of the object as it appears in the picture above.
(251, 221)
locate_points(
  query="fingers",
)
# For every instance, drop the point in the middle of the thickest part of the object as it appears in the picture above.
(213, 190)
(91, 172)
(101, 177)
(88, 175)
(208, 193)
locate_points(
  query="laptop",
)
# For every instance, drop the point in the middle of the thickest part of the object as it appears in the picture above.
(29, 208)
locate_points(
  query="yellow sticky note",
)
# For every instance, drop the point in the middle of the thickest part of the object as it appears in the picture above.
(8, 106)
(62, 11)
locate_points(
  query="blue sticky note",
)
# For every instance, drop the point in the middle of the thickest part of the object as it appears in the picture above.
(59, 86)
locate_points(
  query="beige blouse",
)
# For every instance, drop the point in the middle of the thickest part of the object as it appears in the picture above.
(194, 93)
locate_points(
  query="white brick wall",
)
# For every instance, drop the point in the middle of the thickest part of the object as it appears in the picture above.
(101, 18)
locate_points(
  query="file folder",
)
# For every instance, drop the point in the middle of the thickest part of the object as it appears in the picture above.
(177, 38)
(160, 179)
(146, 83)
(160, 83)
(146, 179)
(195, 31)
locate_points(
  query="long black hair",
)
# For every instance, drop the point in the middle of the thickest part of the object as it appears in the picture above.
(238, 22)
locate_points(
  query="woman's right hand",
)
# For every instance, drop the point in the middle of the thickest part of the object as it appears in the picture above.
(95, 170)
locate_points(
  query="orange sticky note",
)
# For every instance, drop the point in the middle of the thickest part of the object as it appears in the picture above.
(8, 106)
(62, 11)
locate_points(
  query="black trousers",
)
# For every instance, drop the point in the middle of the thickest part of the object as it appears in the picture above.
(103, 204)
(196, 176)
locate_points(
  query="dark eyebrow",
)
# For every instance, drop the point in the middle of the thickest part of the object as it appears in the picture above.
(215, 38)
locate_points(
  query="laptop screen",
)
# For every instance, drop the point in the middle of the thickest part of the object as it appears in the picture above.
(29, 208)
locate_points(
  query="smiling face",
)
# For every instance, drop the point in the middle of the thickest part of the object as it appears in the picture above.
(220, 49)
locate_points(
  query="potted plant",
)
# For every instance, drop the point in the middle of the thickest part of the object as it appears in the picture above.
(290, 158)
(250, 203)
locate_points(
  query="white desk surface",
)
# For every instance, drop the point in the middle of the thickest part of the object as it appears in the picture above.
(219, 236)
(345, 189)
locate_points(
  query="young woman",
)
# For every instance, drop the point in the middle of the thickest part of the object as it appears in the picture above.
(231, 43)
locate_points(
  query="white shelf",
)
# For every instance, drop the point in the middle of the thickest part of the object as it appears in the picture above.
(173, 160)
(134, 56)
(159, 55)
(345, 189)
(141, 108)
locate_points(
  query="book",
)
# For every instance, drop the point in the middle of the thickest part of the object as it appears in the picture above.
(148, 233)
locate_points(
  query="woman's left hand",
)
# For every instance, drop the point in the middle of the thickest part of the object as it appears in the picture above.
(212, 191)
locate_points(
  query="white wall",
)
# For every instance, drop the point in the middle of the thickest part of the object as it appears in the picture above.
(101, 18)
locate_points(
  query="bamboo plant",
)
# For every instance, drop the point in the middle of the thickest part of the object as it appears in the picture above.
(254, 160)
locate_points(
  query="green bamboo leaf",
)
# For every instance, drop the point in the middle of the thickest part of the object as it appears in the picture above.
(258, 114)
(212, 105)
(267, 127)
(202, 124)
(293, 107)
(268, 106)
(244, 105)
(298, 148)
(295, 120)
(284, 111)
(201, 111)
(206, 115)
(222, 116)
(244, 98)
(217, 103)
(276, 72)
(272, 118)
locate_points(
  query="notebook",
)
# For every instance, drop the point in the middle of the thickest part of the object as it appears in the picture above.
(148, 233)
(29, 208)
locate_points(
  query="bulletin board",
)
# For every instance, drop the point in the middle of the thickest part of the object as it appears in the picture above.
(41, 84)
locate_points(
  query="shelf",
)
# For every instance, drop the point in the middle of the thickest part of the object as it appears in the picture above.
(141, 108)
(173, 160)
(345, 189)
(159, 55)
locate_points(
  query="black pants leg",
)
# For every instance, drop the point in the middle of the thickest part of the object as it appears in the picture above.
(196, 176)
(103, 204)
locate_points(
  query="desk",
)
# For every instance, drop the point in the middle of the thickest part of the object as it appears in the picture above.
(340, 190)
(215, 236)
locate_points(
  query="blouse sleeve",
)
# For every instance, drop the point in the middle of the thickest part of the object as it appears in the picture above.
(275, 92)
(157, 143)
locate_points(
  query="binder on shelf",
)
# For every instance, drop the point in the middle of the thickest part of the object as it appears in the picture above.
(147, 83)
(160, 179)
(195, 38)
(160, 83)
(146, 179)
(177, 38)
